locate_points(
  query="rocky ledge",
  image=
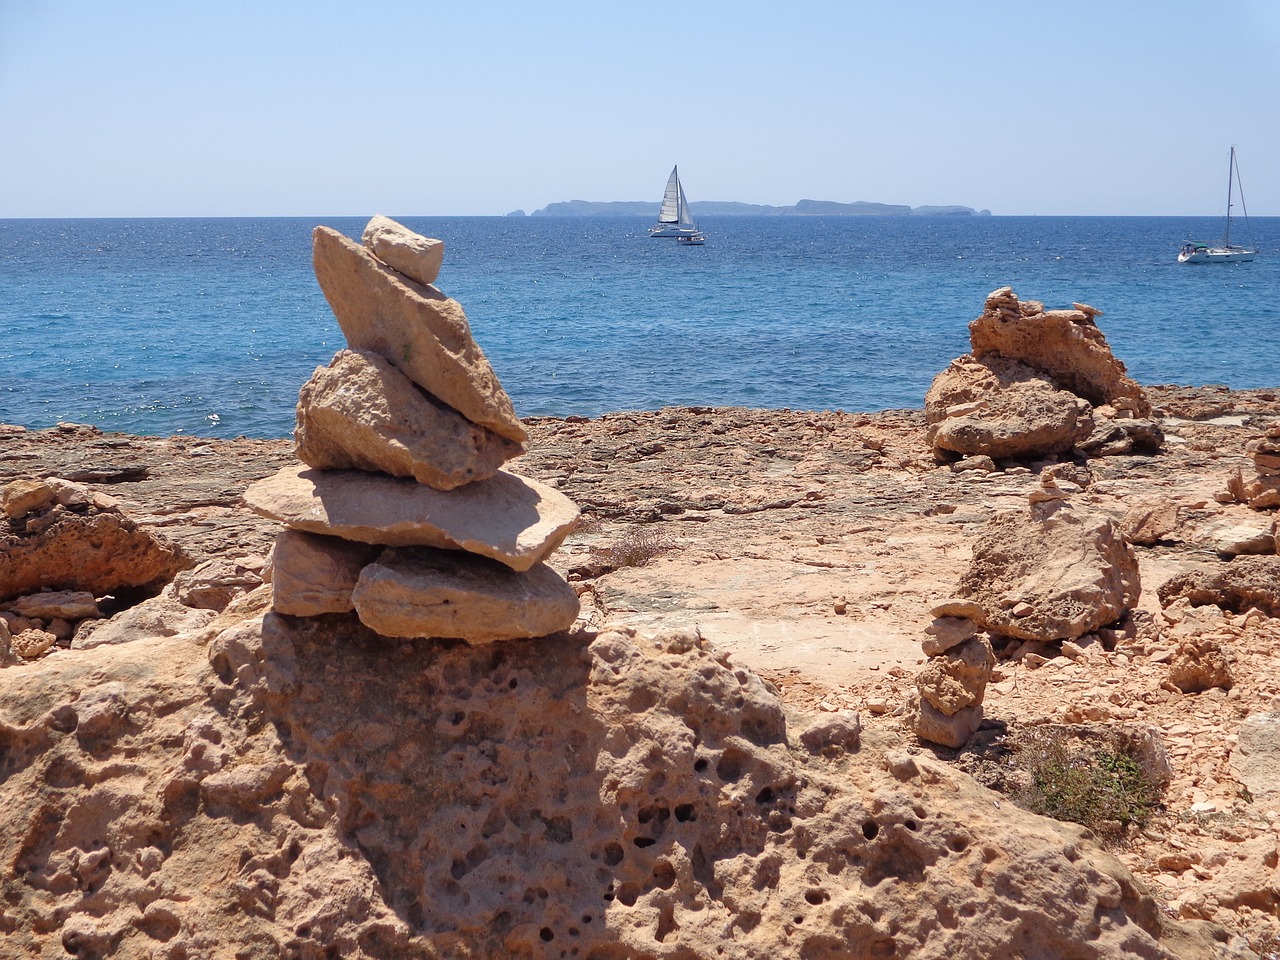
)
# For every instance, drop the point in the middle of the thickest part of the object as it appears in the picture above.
(780, 722)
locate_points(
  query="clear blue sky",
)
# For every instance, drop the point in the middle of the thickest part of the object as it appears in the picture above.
(276, 107)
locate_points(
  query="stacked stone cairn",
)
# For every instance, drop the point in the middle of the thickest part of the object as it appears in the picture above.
(1046, 582)
(1262, 491)
(400, 509)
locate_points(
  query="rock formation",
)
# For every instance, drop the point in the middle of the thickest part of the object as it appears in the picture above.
(1037, 383)
(1262, 491)
(400, 509)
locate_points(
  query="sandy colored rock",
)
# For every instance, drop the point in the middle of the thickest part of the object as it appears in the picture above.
(1064, 344)
(362, 413)
(1148, 522)
(57, 604)
(417, 257)
(215, 583)
(161, 616)
(1256, 757)
(1243, 583)
(99, 553)
(947, 632)
(313, 574)
(948, 730)
(435, 593)
(1231, 536)
(958, 678)
(20, 497)
(1055, 579)
(1199, 664)
(420, 330)
(32, 644)
(507, 518)
(1002, 409)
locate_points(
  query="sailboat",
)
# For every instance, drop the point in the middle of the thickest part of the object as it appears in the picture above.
(674, 219)
(1226, 252)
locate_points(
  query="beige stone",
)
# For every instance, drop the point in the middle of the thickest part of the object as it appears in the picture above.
(417, 592)
(313, 574)
(508, 518)
(948, 730)
(20, 497)
(958, 678)
(947, 632)
(1148, 522)
(65, 604)
(215, 583)
(1249, 581)
(161, 616)
(414, 255)
(1064, 344)
(362, 413)
(420, 330)
(32, 644)
(1056, 579)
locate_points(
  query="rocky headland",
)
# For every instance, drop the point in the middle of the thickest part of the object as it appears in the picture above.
(433, 681)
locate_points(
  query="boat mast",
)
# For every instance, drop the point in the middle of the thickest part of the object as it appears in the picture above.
(1231, 167)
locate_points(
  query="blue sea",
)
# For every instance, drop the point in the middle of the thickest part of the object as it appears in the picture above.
(209, 326)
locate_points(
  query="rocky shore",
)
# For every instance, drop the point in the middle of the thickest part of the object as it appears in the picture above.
(778, 719)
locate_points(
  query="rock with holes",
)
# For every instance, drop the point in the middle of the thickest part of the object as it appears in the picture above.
(958, 677)
(362, 413)
(420, 592)
(1243, 583)
(1066, 345)
(417, 328)
(507, 518)
(312, 789)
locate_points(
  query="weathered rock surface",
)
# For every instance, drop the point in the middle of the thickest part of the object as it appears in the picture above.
(1065, 344)
(507, 518)
(1002, 409)
(1256, 757)
(362, 413)
(313, 575)
(958, 678)
(1243, 583)
(416, 327)
(1054, 579)
(417, 257)
(162, 616)
(420, 592)
(97, 552)
(644, 785)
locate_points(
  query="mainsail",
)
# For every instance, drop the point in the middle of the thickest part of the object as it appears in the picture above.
(674, 219)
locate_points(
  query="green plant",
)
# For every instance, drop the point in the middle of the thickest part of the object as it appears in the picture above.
(1099, 783)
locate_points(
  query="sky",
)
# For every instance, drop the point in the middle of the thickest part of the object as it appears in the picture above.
(174, 108)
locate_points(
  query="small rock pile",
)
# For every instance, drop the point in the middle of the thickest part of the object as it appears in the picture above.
(400, 509)
(1037, 383)
(63, 548)
(1040, 583)
(1262, 491)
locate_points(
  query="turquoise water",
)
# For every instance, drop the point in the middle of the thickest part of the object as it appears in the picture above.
(209, 327)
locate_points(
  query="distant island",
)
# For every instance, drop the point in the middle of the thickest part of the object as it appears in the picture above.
(805, 208)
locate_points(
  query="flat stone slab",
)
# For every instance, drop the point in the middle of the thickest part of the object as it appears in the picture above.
(418, 592)
(1255, 761)
(312, 575)
(508, 518)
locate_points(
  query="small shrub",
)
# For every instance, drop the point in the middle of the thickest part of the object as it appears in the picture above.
(1100, 784)
(636, 548)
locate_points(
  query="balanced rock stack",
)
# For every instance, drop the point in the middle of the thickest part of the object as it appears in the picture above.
(1262, 492)
(1041, 582)
(1037, 383)
(400, 509)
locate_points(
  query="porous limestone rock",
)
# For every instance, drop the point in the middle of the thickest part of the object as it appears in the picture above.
(1002, 409)
(508, 518)
(32, 644)
(417, 257)
(420, 330)
(313, 574)
(362, 413)
(1052, 579)
(958, 678)
(1249, 581)
(98, 552)
(947, 632)
(1200, 663)
(420, 592)
(1064, 344)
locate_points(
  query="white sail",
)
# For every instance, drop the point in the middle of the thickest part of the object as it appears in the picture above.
(672, 200)
(674, 219)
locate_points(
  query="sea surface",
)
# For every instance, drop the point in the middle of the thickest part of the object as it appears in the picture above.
(209, 326)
